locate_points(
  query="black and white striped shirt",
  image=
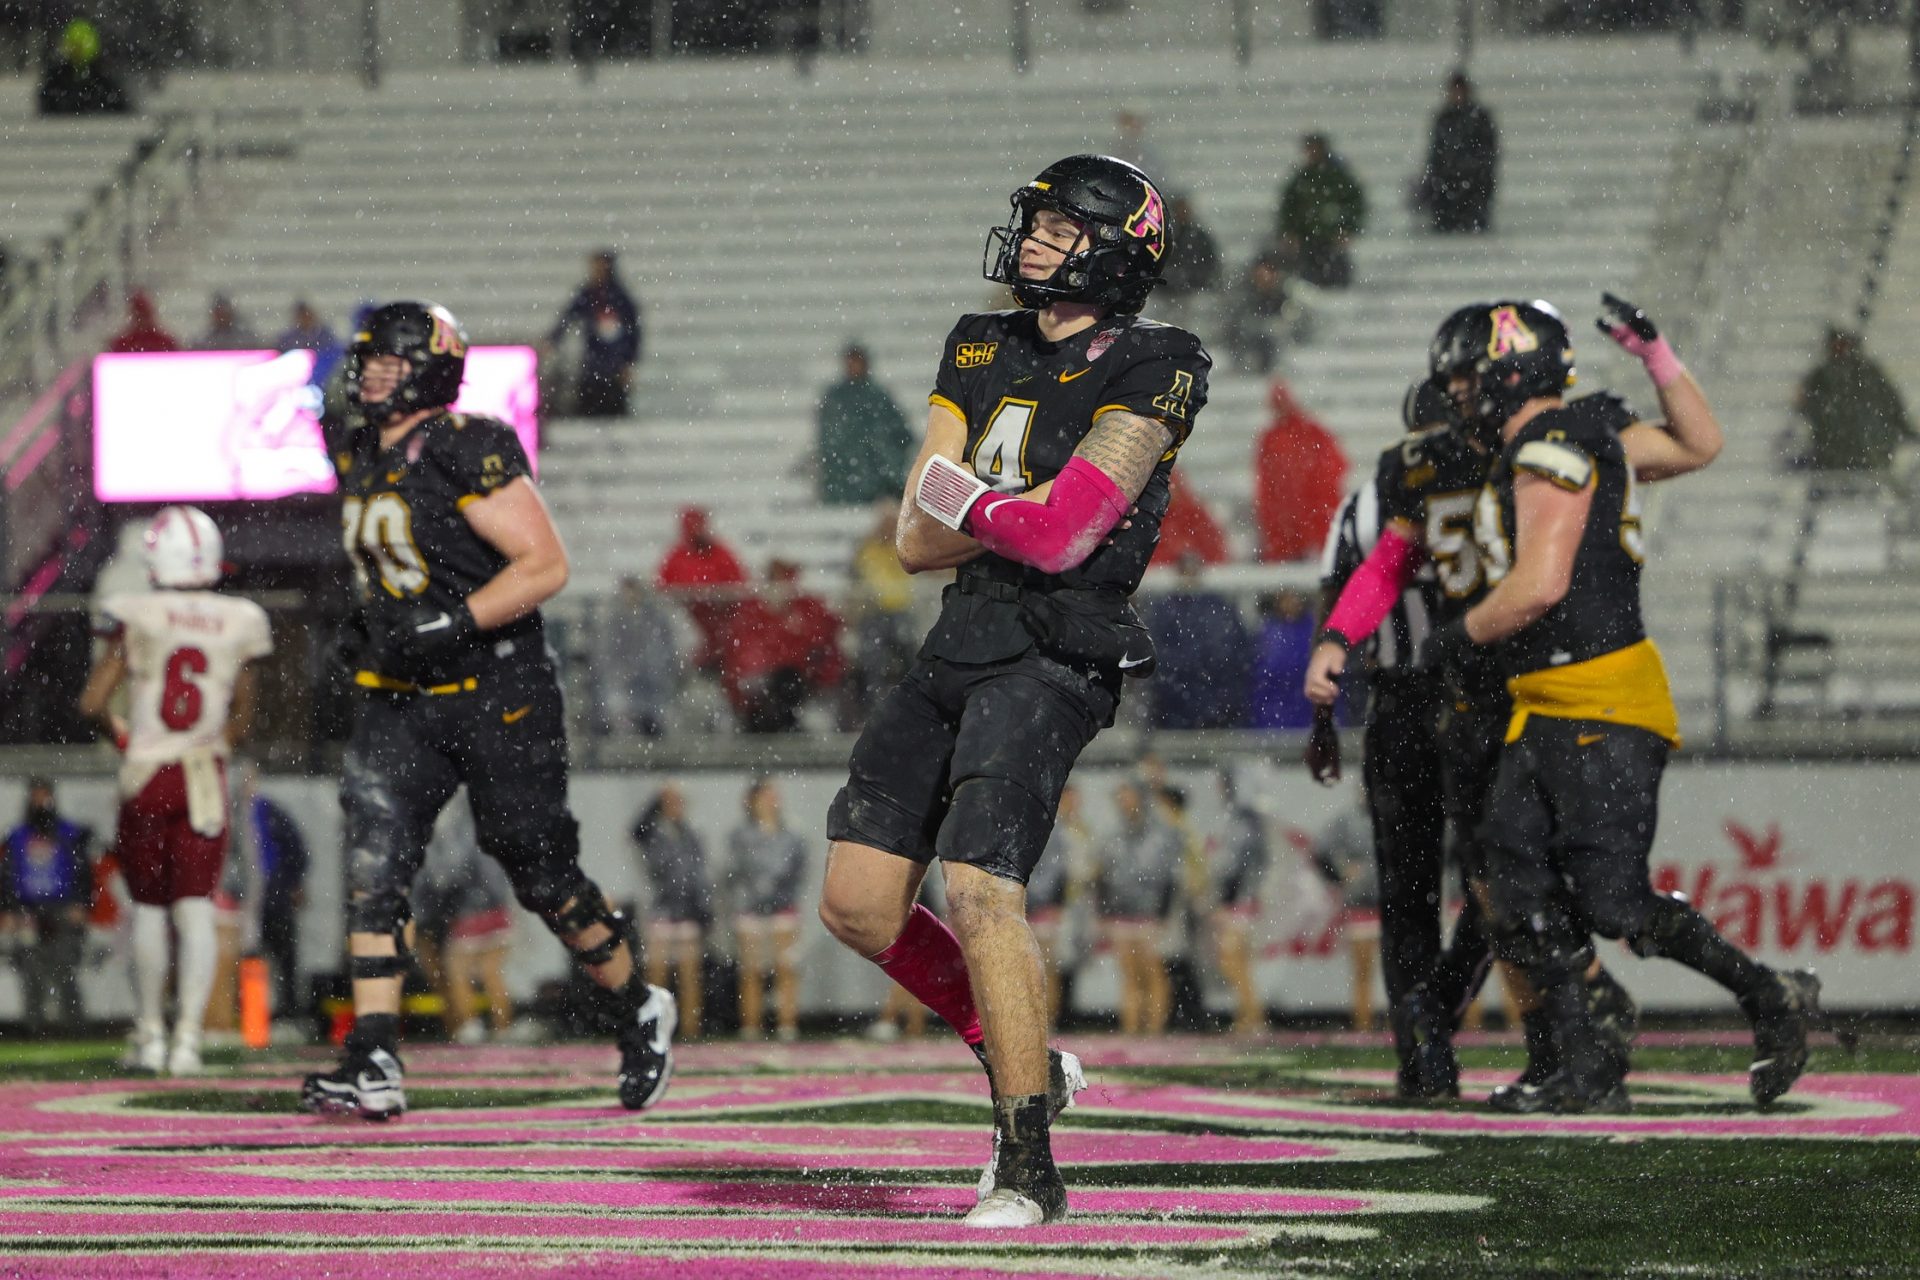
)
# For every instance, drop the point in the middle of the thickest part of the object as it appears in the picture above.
(1356, 527)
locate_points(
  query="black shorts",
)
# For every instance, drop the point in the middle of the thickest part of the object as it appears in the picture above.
(505, 739)
(967, 762)
(1573, 813)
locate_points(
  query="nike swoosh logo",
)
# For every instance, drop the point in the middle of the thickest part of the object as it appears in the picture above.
(1128, 664)
(440, 623)
(1069, 377)
(510, 716)
(1588, 739)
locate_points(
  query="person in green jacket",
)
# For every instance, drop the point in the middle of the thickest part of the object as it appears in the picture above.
(1322, 209)
(864, 444)
(1853, 411)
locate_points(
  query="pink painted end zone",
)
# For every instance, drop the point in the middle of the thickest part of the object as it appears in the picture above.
(211, 426)
(479, 1264)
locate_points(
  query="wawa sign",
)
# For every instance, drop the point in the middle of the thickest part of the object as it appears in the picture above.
(1807, 866)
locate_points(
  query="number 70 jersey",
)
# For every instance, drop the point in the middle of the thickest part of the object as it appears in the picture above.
(185, 650)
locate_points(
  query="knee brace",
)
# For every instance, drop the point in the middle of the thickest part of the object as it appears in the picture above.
(379, 910)
(995, 824)
(1544, 946)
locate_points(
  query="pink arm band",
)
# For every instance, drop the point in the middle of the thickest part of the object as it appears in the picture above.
(1369, 594)
(1056, 535)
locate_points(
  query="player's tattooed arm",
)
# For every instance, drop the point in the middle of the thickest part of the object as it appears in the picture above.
(923, 543)
(1126, 447)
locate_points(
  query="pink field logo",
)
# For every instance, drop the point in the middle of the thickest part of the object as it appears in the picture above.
(1759, 902)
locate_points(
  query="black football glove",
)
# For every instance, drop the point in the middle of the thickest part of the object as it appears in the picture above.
(424, 632)
(1617, 313)
(1447, 647)
(1323, 748)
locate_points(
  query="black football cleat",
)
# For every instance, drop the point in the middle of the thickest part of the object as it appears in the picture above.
(369, 1083)
(646, 1050)
(1423, 1039)
(1616, 1019)
(1562, 1095)
(1781, 1017)
(1065, 1078)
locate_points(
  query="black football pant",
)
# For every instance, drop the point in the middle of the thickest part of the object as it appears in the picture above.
(1401, 766)
(1472, 732)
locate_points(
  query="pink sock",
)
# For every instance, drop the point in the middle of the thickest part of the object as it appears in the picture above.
(926, 960)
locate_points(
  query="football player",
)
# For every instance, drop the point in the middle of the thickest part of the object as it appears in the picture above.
(1043, 478)
(183, 651)
(1424, 490)
(454, 552)
(1570, 821)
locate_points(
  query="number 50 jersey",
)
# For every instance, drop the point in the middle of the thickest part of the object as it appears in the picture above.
(403, 522)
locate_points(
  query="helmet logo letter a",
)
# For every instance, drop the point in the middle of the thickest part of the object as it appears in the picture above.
(1510, 334)
(1149, 223)
(445, 339)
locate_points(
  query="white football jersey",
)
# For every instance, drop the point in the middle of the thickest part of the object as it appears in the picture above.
(184, 654)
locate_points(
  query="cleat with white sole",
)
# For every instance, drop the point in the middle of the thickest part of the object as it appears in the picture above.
(1008, 1209)
(646, 1051)
(368, 1084)
(146, 1052)
(184, 1060)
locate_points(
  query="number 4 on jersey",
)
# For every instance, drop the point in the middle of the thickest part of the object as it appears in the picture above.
(1000, 459)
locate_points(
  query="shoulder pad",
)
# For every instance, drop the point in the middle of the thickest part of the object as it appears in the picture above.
(1566, 466)
(1606, 410)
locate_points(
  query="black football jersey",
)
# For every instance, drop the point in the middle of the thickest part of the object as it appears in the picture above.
(1576, 446)
(1027, 404)
(402, 522)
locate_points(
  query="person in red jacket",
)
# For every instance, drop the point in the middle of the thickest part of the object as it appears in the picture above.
(784, 646)
(1299, 475)
(143, 331)
(694, 566)
(1189, 526)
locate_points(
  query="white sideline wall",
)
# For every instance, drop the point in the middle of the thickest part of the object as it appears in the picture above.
(1809, 865)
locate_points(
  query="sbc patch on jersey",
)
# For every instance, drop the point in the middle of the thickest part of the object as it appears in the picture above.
(1564, 465)
(971, 355)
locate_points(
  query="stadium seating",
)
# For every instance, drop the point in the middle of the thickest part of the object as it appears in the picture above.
(50, 171)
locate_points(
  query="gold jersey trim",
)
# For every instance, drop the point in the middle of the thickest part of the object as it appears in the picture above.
(1627, 687)
(374, 680)
(949, 406)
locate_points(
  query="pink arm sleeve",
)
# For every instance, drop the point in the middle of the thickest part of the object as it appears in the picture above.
(1369, 594)
(1056, 535)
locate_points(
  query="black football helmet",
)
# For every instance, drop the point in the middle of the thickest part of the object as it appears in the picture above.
(1509, 352)
(429, 339)
(1427, 404)
(1127, 229)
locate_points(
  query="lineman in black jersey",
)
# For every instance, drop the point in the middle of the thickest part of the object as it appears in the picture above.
(454, 552)
(1571, 820)
(1425, 488)
(1043, 478)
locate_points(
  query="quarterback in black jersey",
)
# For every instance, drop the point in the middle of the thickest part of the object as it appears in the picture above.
(453, 552)
(1043, 479)
(1571, 820)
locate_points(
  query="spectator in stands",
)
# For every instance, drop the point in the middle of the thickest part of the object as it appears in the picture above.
(74, 82)
(862, 444)
(1463, 162)
(1136, 884)
(1322, 209)
(225, 329)
(1280, 653)
(1855, 416)
(45, 891)
(699, 569)
(1189, 528)
(1131, 144)
(766, 864)
(640, 659)
(784, 648)
(879, 601)
(607, 317)
(1252, 324)
(143, 331)
(681, 912)
(1344, 853)
(1237, 858)
(1201, 678)
(1299, 475)
(1193, 260)
(309, 332)
(475, 927)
